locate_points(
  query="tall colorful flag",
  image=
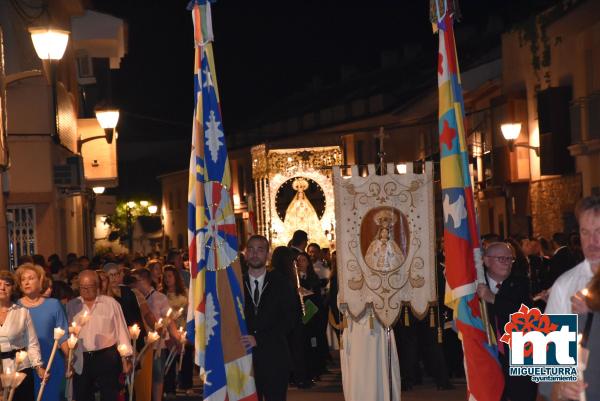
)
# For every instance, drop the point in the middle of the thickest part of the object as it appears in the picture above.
(464, 268)
(215, 319)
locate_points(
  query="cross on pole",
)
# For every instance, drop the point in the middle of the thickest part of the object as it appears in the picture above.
(381, 154)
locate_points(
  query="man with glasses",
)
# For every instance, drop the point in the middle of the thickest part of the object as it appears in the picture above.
(98, 363)
(504, 294)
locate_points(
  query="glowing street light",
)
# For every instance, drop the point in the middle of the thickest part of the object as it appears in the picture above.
(49, 44)
(510, 132)
(152, 209)
(98, 190)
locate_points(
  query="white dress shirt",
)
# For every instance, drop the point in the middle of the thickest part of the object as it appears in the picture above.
(18, 332)
(106, 326)
(493, 284)
(573, 280)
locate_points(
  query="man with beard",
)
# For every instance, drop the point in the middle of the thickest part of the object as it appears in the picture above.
(269, 315)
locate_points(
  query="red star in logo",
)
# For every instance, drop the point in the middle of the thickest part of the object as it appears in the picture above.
(448, 135)
(440, 65)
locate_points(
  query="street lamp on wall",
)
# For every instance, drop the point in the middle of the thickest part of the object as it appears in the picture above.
(510, 132)
(50, 44)
(108, 118)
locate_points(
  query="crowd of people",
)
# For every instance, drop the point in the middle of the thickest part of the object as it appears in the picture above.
(115, 292)
(98, 301)
(291, 313)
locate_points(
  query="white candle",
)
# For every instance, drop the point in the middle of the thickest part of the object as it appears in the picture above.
(159, 324)
(72, 341)
(153, 336)
(169, 312)
(20, 357)
(123, 350)
(58, 333)
(134, 332)
(74, 328)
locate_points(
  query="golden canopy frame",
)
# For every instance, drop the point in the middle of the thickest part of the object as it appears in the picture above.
(273, 167)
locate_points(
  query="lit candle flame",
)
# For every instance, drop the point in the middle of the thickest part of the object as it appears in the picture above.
(134, 331)
(153, 336)
(585, 292)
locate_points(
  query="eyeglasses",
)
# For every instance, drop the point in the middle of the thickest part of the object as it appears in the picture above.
(88, 287)
(503, 259)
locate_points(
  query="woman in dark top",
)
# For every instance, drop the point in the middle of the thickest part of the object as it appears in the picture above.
(282, 262)
(315, 343)
(127, 299)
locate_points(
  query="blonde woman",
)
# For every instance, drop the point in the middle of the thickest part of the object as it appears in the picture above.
(46, 314)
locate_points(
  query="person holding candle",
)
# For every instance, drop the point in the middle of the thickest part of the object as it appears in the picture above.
(17, 333)
(567, 295)
(102, 329)
(159, 305)
(176, 292)
(47, 314)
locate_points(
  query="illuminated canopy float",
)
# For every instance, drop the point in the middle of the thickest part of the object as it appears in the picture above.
(294, 191)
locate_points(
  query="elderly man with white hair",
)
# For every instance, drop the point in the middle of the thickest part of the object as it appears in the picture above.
(98, 362)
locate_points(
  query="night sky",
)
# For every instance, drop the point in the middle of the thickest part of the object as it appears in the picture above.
(264, 51)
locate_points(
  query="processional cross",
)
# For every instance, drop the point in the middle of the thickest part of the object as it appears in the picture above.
(381, 153)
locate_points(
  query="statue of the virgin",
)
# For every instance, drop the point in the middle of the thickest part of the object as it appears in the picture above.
(301, 215)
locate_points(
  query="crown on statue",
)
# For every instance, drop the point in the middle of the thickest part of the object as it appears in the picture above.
(385, 218)
(300, 184)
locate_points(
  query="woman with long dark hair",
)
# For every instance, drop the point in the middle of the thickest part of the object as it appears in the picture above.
(172, 286)
(282, 262)
(315, 344)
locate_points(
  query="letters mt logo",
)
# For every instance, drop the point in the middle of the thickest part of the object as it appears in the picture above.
(542, 346)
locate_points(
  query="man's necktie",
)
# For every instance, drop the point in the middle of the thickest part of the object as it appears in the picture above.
(256, 294)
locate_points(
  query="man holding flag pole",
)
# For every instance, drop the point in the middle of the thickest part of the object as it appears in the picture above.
(215, 323)
(464, 268)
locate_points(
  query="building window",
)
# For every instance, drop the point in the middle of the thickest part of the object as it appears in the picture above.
(21, 232)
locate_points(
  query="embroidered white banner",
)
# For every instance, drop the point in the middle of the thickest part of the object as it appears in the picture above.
(385, 239)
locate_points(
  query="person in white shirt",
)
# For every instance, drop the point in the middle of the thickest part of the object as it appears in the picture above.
(17, 333)
(98, 362)
(566, 294)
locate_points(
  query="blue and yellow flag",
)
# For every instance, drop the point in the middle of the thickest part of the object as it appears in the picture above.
(485, 381)
(215, 320)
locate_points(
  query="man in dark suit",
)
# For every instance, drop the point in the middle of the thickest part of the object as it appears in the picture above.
(562, 259)
(504, 294)
(299, 241)
(269, 303)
